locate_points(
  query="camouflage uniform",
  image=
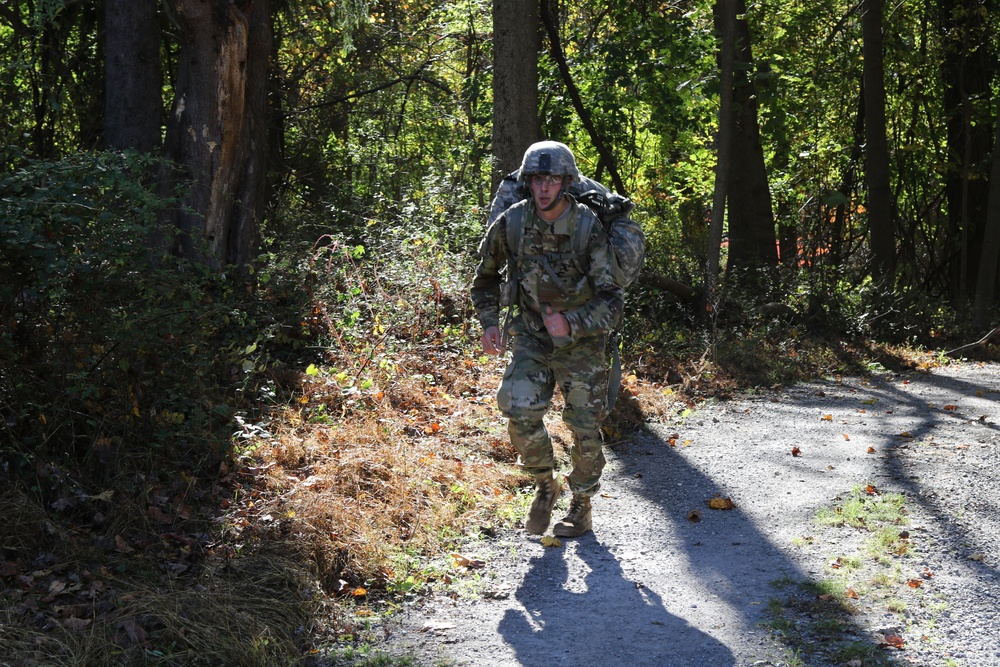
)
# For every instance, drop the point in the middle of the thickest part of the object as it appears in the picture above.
(591, 302)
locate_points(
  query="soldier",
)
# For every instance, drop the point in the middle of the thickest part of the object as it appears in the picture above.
(564, 305)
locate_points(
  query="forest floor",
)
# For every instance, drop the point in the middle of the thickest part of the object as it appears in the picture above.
(863, 530)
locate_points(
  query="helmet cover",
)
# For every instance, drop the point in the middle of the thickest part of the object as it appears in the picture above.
(548, 157)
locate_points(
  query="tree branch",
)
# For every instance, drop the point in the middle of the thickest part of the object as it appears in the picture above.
(407, 78)
(557, 54)
(982, 341)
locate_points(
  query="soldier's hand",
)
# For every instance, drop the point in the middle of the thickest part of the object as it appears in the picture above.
(556, 323)
(492, 341)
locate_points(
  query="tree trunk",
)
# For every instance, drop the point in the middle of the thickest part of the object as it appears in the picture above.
(990, 256)
(753, 242)
(968, 66)
(133, 76)
(217, 130)
(516, 43)
(725, 21)
(880, 224)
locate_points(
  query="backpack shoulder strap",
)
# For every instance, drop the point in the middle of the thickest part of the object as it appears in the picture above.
(585, 219)
(515, 216)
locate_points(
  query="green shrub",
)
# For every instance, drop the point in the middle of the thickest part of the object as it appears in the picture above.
(110, 347)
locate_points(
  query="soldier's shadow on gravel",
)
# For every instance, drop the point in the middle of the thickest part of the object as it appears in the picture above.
(592, 614)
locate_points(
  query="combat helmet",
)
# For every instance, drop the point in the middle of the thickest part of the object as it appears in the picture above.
(548, 157)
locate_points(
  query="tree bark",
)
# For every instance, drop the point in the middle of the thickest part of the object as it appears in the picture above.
(217, 130)
(725, 18)
(133, 76)
(753, 242)
(967, 72)
(990, 256)
(516, 43)
(880, 224)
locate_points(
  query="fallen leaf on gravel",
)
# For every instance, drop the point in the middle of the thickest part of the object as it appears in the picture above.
(551, 541)
(796, 451)
(951, 407)
(826, 597)
(828, 418)
(847, 437)
(894, 641)
(905, 434)
(694, 516)
(914, 583)
(359, 592)
(871, 450)
(926, 574)
(871, 490)
(851, 593)
(468, 562)
(720, 503)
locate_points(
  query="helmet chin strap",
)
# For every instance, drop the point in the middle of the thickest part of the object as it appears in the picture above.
(558, 198)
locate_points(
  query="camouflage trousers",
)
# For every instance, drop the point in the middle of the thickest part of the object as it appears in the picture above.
(580, 369)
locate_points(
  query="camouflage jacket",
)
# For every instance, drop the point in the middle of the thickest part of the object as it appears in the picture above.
(549, 273)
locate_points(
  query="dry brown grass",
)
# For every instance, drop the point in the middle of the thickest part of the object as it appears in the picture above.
(409, 468)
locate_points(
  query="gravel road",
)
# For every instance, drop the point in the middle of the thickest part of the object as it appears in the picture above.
(746, 586)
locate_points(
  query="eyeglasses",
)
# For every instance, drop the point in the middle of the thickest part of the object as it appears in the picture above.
(546, 179)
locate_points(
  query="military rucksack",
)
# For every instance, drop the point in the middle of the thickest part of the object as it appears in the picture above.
(625, 238)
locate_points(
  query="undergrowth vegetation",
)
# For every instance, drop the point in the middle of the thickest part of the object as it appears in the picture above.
(242, 468)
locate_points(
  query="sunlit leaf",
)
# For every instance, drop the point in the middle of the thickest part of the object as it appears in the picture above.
(796, 451)
(467, 562)
(551, 541)
(828, 418)
(720, 503)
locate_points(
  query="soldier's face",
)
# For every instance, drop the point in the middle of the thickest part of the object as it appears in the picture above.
(544, 190)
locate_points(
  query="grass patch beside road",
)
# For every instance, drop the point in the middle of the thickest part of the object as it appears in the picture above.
(877, 576)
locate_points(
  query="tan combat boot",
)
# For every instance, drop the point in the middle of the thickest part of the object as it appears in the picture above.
(577, 521)
(547, 491)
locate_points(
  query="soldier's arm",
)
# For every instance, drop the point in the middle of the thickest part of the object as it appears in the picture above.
(485, 290)
(598, 314)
